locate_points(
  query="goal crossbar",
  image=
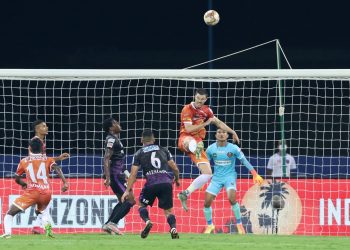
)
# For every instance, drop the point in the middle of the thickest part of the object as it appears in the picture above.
(202, 74)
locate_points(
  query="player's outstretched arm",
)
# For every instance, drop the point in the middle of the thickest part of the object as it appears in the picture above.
(106, 167)
(131, 181)
(256, 177)
(62, 157)
(175, 170)
(60, 174)
(223, 126)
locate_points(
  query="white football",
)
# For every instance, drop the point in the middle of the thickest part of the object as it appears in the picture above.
(211, 17)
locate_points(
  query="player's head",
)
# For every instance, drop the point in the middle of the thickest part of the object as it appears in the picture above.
(36, 146)
(221, 135)
(110, 125)
(40, 127)
(147, 137)
(200, 97)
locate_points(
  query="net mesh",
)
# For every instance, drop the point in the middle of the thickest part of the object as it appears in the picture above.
(316, 125)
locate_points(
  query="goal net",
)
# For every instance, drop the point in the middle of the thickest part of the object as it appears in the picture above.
(314, 199)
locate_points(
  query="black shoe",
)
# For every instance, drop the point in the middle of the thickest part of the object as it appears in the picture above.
(174, 234)
(146, 230)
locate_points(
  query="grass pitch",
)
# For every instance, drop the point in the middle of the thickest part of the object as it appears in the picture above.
(164, 242)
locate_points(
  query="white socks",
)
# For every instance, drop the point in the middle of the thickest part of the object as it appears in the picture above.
(38, 222)
(45, 217)
(198, 183)
(8, 224)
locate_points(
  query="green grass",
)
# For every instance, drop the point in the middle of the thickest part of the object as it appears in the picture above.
(164, 242)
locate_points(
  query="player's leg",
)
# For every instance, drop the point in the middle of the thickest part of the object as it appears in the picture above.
(200, 181)
(118, 185)
(202, 163)
(165, 201)
(171, 219)
(20, 204)
(147, 197)
(42, 202)
(210, 194)
(38, 223)
(230, 185)
(189, 144)
(8, 220)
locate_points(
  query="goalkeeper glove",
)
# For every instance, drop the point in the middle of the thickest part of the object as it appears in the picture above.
(257, 178)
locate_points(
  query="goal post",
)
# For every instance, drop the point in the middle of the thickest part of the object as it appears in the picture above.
(75, 102)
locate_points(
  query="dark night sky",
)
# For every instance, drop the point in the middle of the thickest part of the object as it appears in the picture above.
(171, 34)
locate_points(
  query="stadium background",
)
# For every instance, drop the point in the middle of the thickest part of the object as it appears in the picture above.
(158, 34)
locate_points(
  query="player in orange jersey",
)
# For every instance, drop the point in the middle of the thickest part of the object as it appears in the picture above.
(194, 118)
(41, 130)
(37, 190)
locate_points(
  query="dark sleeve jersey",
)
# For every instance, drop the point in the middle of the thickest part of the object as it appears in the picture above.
(153, 161)
(117, 157)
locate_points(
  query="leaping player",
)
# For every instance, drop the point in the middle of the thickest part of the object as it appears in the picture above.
(194, 118)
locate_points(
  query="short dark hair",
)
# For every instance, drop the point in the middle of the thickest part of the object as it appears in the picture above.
(147, 133)
(201, 92)
(36, 123)
(36, 146)
(108, 123)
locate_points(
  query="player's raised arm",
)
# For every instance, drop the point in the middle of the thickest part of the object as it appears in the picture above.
(62, 157)
(220, 124)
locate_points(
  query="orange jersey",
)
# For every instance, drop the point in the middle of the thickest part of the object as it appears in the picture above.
(195, 116)
(37, 168)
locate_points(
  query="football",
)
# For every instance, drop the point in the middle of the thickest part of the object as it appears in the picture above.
(211, 17)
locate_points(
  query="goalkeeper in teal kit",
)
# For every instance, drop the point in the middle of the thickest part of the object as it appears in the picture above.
(224, 156)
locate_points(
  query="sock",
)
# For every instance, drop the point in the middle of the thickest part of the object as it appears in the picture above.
(237, 211)
(144, 214)
(38, 221)
(171, 221)
(114, 212)
(8, 224)
(122, 211)
(45, 217)
(208, 215)
(198, 183)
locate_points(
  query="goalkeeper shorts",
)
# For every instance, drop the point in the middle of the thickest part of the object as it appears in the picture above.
(216, 184)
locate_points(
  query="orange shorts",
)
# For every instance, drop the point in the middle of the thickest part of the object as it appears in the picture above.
(32, 197)
(202, 159)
